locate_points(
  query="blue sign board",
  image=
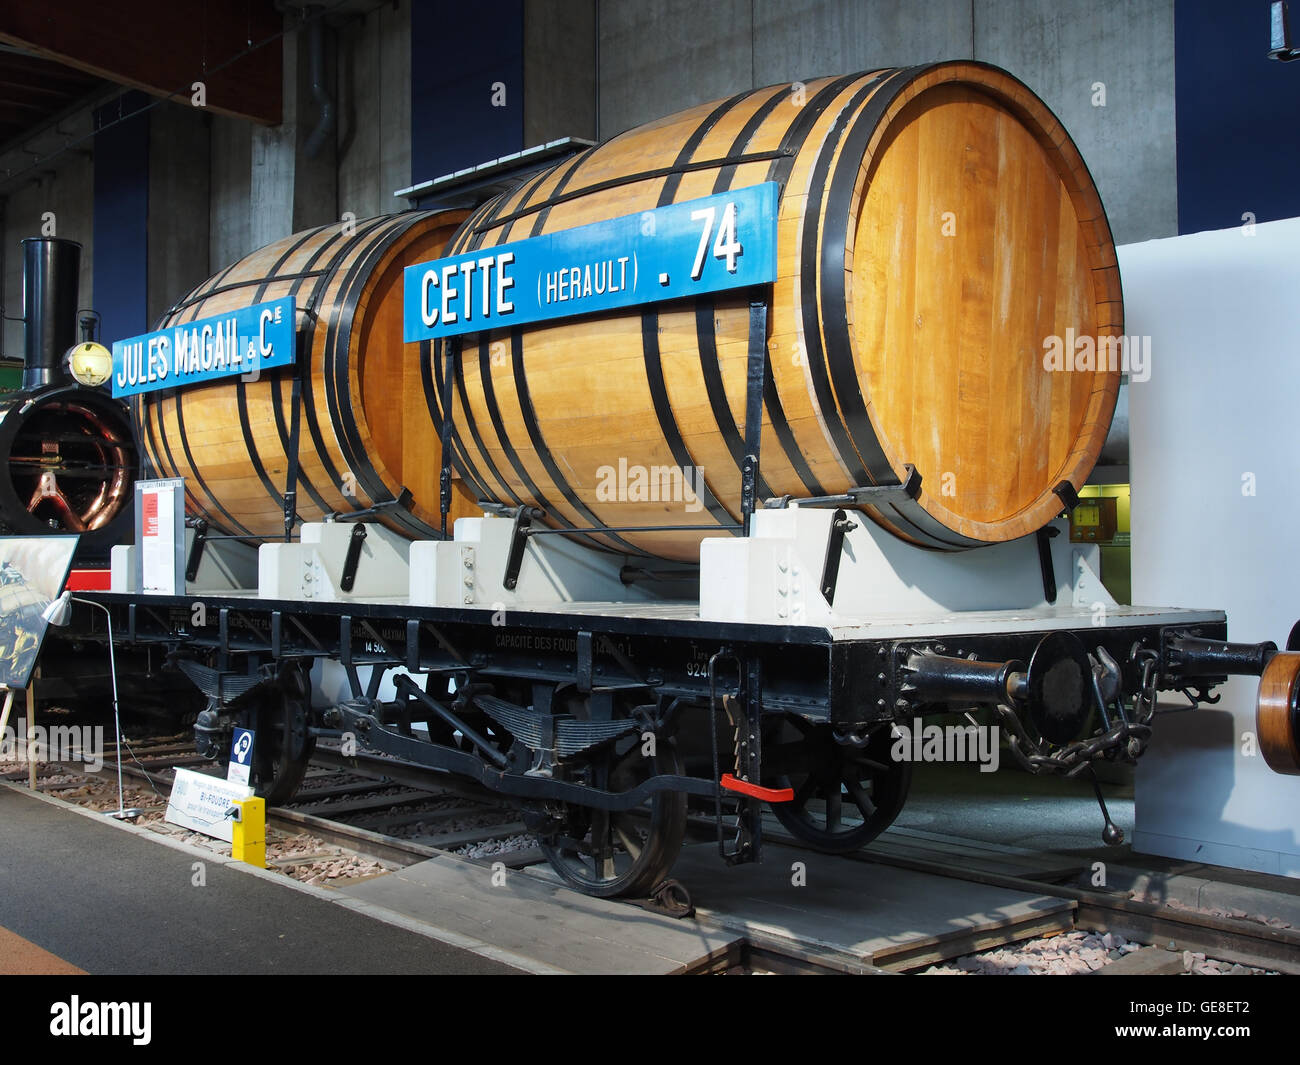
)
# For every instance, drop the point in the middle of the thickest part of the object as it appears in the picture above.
(717, 242)
(244, 341)
(240, 768)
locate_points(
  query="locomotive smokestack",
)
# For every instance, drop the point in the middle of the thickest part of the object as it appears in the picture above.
(51, 279)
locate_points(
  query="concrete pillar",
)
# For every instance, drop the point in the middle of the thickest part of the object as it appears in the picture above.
(230, 212)
(289, 189)
(374, 131)
(559, 70)
(316, 106)
(271, 176)
(180, 180)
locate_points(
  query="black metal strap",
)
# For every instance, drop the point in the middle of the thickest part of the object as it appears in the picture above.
(749, 471)
(196, 550)
(518, 542)
(353, 557)
(295, 432)
(632, 179)
(252, 282)
(1044, 538)
(451, 349)
(840, 526)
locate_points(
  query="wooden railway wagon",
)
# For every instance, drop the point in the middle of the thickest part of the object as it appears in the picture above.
(690, 469)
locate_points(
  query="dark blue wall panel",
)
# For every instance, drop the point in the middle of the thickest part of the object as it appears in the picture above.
(122, 219)
(458, 51)
(1238, 117)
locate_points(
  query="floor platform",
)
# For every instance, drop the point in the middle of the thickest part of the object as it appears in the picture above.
(850, 914)
(537, 917)
(81, 890)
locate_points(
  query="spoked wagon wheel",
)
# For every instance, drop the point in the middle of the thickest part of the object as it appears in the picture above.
(844, 796)
(282, 747)
(606, 853)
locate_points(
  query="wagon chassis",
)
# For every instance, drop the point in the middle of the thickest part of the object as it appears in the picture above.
(638, 676)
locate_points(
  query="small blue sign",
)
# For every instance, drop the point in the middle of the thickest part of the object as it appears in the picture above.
(240, 769)
(717, 242)
(245, 341)
(241, 747)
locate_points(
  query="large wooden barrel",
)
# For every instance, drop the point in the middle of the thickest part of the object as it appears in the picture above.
(364, 431)
(937, 228)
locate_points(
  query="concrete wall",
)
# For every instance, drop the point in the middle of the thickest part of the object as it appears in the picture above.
(658, 58)
(64, 186)
(807, 38)
(559, 70)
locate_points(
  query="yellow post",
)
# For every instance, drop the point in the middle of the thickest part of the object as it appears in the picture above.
(248, 839)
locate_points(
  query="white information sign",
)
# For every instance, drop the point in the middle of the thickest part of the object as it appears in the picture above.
(160, 534)
(200, 802)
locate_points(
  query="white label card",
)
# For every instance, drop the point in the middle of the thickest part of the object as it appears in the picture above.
(200, 802)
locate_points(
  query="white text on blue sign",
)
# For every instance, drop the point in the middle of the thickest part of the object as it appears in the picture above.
(245, 341)
(710, 244)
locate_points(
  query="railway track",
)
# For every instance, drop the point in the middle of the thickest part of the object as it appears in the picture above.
(390, 813)
(368, 805)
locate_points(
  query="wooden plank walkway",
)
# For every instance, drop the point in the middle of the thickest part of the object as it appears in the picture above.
(903, 843)
(851, 915)
(875, 914)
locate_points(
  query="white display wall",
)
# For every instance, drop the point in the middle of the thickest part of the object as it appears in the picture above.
(1215, 462)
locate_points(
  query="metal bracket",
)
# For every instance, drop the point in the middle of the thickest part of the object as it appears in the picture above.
(755, 373)
(518, 542)
(450, 356)
(840, 526)
(353, 556)
(671, 898)
(868, 496)
(1065, 491)
(584, 669)
(748, 487)
(402, 499)
(749, 762)
(1044, 538)
(290, 513)
(196, 550)
(409, 690)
